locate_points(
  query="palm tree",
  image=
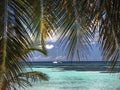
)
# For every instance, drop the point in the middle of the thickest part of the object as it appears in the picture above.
(19, 21)
(74, 20)
(81, 18)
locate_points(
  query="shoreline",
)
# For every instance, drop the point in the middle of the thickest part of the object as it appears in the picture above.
(79, 66)
(102, 69)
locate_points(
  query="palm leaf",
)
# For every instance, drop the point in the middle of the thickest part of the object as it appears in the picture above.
(105, 17)
(91, 15)
(23, 80)
(74, 34)
(15, 39)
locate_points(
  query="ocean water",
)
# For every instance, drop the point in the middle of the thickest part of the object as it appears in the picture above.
(68, 77)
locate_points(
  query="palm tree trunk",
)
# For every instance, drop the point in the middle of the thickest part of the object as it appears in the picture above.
(3, 68)
(5, 35)
(41, 24)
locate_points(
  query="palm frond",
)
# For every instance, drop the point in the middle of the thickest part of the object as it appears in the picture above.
(34, 76)
(74, 35)
(105, 18)
(91, 15)
(23, 80)
(15, 39)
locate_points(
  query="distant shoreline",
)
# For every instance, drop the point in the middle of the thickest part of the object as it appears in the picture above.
(101, 66)
(101, 69)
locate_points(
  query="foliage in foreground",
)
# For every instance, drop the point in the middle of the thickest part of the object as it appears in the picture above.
(24, 22)
(19, 29)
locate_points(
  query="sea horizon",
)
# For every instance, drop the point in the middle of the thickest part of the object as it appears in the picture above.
(78, 65)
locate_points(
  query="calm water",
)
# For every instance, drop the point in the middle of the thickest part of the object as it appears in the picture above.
(72, 79)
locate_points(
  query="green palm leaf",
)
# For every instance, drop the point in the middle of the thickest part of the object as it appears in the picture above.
(74, 34)
(15, 39)
(25, 22)
(90, 15)
(23, 80)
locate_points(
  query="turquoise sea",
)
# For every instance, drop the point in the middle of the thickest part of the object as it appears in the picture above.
(67, 76)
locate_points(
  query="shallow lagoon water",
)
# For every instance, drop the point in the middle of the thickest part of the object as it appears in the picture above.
(60, 79)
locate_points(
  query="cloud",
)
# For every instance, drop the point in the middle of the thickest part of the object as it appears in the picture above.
(39, 58)
(49, 46)
(60, 57)
(45, 58)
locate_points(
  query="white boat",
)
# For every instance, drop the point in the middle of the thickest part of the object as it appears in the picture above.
(55, 62)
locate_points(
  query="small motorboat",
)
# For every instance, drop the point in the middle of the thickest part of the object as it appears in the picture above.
(55, 62)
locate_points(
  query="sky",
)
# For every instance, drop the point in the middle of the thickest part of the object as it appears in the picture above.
(55, 53)
(94, 55)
